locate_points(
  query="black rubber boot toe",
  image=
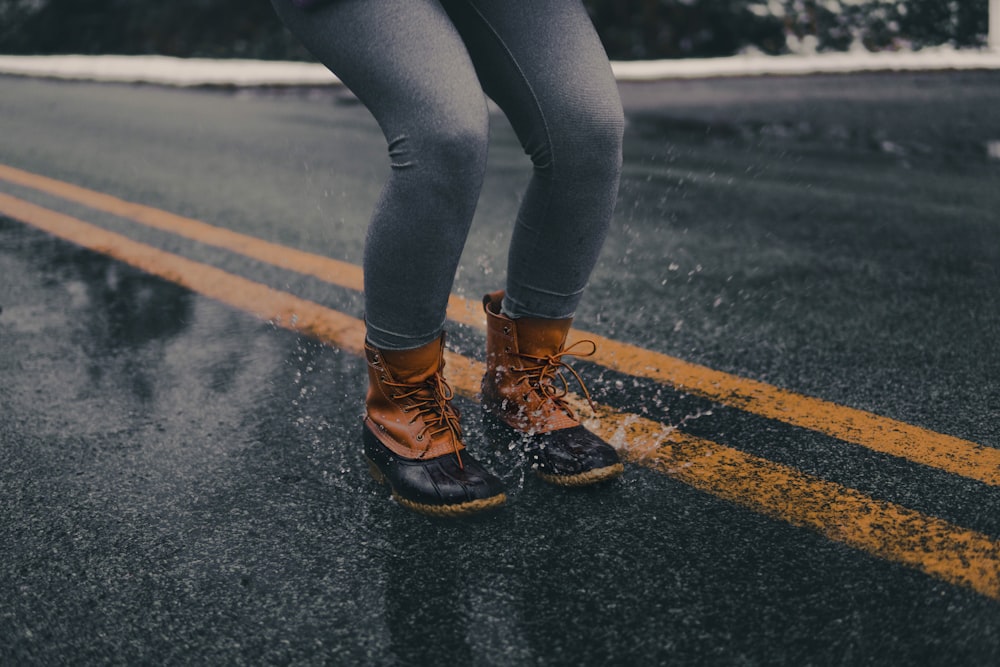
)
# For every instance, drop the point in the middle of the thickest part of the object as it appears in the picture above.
(439, 486)
(572, 457)
(566, 457)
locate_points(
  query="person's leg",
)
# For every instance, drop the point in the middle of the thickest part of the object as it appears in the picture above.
(543, 64)
(407, 64)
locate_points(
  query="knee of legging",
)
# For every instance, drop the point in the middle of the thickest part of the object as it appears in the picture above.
(587, 144)
(449, 151)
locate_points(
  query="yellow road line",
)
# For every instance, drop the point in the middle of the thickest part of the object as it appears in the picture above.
(325, 268)
(888, 530)
(881, 434)
(257, 299)
(940, 549)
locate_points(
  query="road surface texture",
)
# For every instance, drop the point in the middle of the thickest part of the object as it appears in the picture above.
(797, 311)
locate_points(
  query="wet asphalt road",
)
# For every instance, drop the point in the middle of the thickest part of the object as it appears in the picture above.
(181, 481)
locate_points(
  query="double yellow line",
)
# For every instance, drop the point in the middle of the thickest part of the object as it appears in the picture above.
(888, 530)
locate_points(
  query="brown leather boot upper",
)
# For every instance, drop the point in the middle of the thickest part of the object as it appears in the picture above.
(523, 364)
(408, 402)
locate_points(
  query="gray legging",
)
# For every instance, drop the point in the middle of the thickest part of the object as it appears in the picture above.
(421, 66)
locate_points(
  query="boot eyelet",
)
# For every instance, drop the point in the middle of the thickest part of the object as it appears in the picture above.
(507, 349)
(375, 358)
(506, 329)
(420, 437)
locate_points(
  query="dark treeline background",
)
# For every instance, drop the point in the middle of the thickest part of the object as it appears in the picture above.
(630, 29)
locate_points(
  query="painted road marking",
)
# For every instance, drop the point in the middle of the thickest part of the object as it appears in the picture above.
(936, 547)
(882, 434)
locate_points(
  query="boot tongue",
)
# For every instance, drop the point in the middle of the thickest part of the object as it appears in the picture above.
(415, 366)
(540, 337)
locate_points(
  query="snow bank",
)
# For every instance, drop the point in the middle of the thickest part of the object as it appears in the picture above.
(165, 70)
(820, 63)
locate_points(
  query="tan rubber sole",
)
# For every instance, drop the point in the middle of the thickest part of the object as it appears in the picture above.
(584, 478)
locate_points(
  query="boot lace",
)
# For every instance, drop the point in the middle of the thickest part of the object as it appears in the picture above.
(431, 400)
(540, 377)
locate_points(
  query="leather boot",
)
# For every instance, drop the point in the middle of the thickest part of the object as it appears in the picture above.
(524, 388)
(413, 439)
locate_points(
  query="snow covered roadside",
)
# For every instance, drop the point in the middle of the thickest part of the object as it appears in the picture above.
(820, 63)
(166, 70)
